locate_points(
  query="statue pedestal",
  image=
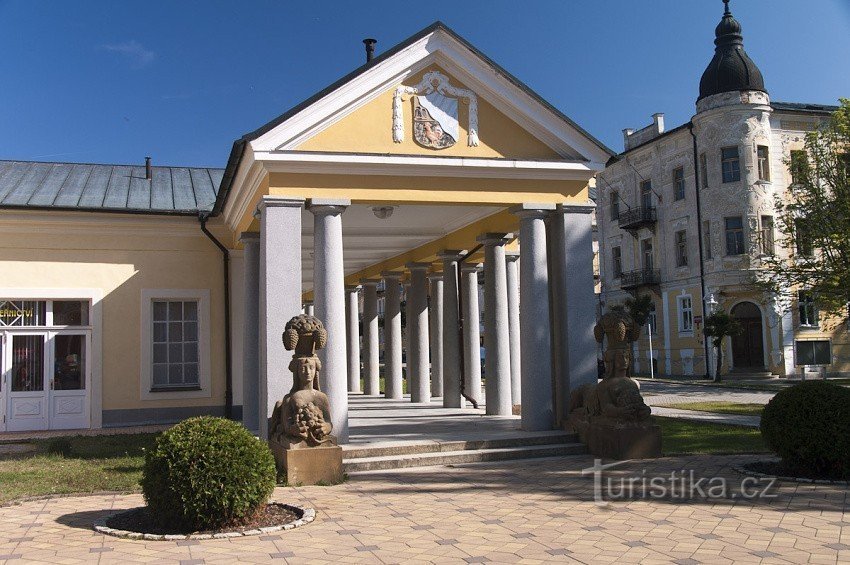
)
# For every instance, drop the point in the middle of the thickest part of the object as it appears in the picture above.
(623, 442)
(308, 466)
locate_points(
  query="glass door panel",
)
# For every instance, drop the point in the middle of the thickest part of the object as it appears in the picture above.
(69, 403)
(27, 393)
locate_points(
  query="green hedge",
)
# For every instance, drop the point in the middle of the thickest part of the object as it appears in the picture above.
(207, 473)
(808, 426)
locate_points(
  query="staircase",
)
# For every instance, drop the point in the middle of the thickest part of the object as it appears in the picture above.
(399, 455)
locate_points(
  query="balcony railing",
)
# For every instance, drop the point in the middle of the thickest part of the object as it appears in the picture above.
(637, 218)
(643, 277)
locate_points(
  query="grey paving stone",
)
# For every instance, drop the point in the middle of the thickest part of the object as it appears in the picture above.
(100, 549)
(187, 542)
(838, 546)
(523, 535)
(348, 532)
(269, 538)
(708, 536)
(367, 548)
(476, 559)
(447, 541)
(281, 555)
(636, 543)
(560, 551)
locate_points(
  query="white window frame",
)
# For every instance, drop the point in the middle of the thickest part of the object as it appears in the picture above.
(146, 347)
(680, 309)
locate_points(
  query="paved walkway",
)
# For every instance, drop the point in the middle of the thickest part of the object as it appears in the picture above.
(530, 512)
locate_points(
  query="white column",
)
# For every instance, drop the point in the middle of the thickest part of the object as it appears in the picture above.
(352, 323)
(251, 332)
(435, 333)
(309, 308)
(451, 343)
(392, 335)
(405, 296)
(580, 298)
(371, 341)
(512, 269)
(329, 297)
(417, 322)
(280, 296)
(497, 349)
(537, 411)
(471, 331)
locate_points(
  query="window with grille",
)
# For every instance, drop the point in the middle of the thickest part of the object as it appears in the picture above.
(735, 236)
(175, 344)
(679, 184)
(730, 164)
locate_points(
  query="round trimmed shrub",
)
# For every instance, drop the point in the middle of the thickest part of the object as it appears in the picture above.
(206, 473)
(808, 426)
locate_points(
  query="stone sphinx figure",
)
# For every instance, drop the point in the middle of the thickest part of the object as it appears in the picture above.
(611, 416)
(303, 418)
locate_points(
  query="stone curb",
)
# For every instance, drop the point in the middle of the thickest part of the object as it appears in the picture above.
(744, 471)
(306, 515)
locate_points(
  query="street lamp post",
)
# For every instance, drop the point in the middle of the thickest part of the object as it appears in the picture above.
(710, 305)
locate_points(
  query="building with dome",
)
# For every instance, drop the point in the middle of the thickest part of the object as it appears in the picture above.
(686, 216)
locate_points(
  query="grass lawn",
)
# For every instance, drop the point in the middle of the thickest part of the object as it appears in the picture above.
(94, 464)
(686, 437)
(383, 386)
(721, 407)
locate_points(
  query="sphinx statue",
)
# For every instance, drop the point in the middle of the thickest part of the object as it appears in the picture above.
(611, 416)
(302, 418)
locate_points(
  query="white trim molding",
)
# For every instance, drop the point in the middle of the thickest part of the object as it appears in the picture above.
(202, 295)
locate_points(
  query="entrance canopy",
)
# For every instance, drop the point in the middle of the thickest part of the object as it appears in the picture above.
(430, 142)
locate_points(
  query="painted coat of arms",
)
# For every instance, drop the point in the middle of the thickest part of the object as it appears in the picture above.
(435, 112)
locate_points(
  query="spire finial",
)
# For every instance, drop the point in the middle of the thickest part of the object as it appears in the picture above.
(726, 7)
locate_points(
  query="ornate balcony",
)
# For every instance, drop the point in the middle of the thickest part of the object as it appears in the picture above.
(636, 218)
(643, 277)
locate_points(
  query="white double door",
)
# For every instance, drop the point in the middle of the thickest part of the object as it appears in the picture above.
(46, 378)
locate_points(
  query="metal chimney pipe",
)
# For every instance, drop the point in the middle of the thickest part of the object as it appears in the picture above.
(370, 48)
(148, 172)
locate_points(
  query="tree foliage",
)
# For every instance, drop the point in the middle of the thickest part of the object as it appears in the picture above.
(813, 219)
(639, 308)
(717, 326)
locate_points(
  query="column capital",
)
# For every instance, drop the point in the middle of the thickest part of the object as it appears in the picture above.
(494, 238)
(327, 206)
(249, 237)
(471, 267)
(392, 274)
(511, 256)
(417, 266)
(369, 282)
(436, 276)
(568, 208)
(269, 201)
(531, 210)
(352, 287)
(308, 303)
(451, 254)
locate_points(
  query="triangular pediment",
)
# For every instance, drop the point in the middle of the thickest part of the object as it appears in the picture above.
(364, 112)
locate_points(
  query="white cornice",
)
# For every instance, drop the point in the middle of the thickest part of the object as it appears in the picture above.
(413, 165)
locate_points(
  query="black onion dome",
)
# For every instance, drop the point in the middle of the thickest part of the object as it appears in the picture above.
(731, 68)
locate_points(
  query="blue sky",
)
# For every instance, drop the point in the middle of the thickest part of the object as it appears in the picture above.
(111, 82)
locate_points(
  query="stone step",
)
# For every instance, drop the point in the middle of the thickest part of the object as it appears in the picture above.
(384, 449)
(431, 459)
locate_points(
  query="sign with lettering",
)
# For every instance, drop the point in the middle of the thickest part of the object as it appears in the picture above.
(17, 313)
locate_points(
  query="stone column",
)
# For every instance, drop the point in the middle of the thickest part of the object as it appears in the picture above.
(497, 349)
(371, 340)
(471, 331)
(251, 332)
(352, 323)
(309, 308)
(405, 287)
(451, 344)
(329, 297)
(536, 362)
(392, 335)
(280, 297)
(512, 269)
(579, 297)
(435, 313)
(417, 323)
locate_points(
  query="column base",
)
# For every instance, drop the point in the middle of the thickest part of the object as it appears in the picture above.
(309, 466)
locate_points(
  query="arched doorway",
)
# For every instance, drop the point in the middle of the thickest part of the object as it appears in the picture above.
(747, 348)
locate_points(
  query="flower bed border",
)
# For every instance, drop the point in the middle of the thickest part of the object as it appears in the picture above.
(746, 471)
(305, 516)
